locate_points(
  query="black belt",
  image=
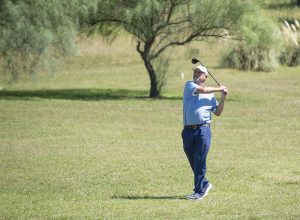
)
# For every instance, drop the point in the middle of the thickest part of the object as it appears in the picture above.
(196, 126)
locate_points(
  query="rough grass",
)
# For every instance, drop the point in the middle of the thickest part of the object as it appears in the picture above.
(87, 143)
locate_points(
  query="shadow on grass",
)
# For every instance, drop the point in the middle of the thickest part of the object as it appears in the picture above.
(283, 5)
(149, 197)
(78, 94)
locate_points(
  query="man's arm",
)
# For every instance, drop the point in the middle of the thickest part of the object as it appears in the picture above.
(206, 90)
(221, 103)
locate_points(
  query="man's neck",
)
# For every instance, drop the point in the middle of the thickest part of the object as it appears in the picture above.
(200, 84)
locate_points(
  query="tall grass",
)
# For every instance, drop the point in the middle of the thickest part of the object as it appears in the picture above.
(290, 54)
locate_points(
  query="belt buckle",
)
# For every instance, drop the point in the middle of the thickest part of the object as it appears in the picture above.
(194, 126)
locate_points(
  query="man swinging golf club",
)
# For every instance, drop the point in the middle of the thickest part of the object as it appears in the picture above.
(198, 103)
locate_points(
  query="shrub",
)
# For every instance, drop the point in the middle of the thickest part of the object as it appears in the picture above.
(259, 48)
(243, 57)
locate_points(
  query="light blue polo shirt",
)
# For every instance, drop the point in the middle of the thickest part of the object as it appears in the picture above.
(197, 108)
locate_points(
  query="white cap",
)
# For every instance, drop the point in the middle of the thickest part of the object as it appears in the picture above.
(201, 68)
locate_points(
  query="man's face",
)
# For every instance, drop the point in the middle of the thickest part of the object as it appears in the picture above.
(199, 76)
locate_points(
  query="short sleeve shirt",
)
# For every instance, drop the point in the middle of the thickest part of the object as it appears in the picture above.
(197, 108)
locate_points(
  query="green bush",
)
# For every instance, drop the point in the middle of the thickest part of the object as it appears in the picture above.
(259, 47)
(243, 57)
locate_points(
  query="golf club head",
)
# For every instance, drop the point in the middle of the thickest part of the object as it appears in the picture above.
(194, 61)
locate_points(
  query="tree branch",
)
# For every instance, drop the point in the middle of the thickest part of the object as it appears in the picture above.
(193, 37)
(169, 15)
(138, 47)
(112, 20)
(189, 39)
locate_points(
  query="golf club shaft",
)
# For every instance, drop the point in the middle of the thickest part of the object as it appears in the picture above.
(213, 78)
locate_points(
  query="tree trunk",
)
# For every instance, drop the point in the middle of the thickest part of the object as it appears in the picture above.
(154, 91)
(298, 2)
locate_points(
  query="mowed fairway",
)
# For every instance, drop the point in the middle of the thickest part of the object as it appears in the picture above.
(87, 143)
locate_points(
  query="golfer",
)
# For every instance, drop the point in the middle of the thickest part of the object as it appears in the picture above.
(198, 104)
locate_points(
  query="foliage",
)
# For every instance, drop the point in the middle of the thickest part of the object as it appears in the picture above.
(35, 33)
(260, 46)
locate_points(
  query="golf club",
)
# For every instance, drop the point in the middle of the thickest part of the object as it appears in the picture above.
(194, 61)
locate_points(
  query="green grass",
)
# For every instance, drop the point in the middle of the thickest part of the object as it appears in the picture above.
(87, 143)
(111, 158)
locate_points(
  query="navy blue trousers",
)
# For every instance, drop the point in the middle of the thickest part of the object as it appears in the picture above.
(196, 143)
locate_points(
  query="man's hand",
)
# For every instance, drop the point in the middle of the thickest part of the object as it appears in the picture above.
(225, 92)
(223, 89)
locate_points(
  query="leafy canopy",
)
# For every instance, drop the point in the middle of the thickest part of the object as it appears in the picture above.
(35, 33)
(158, 25)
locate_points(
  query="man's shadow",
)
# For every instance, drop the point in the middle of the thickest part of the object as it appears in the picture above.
(146, 197)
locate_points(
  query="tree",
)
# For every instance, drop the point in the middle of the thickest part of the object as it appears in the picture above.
(34, 33)
(158, 25)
